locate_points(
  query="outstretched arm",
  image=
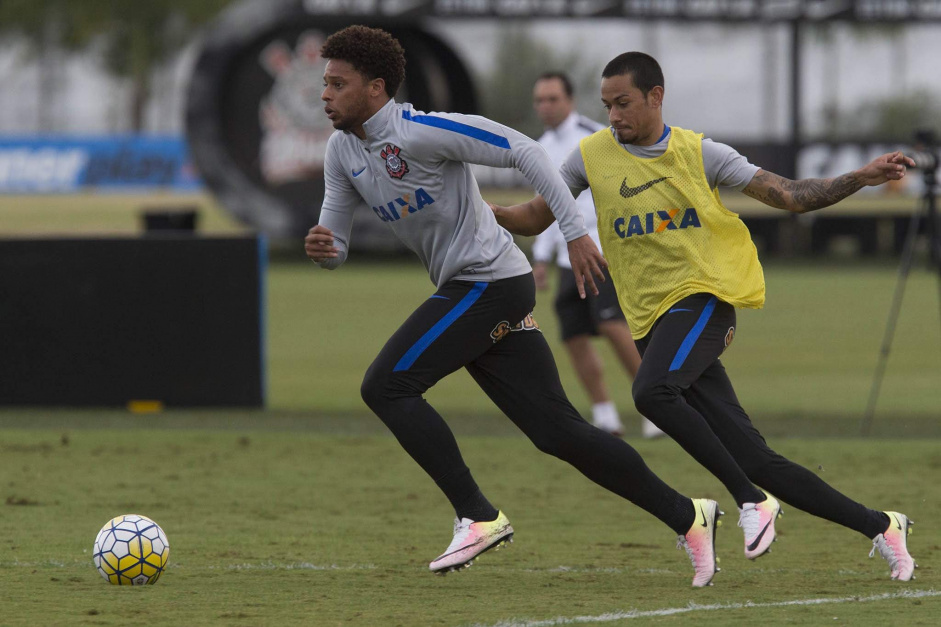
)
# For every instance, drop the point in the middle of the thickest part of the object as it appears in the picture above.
(812, 194)
(475, 139)
(532, 218)
(529, 218)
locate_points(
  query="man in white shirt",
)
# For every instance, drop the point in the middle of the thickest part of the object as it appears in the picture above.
(580, 319)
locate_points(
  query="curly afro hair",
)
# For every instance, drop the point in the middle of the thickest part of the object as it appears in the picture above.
(371, 51)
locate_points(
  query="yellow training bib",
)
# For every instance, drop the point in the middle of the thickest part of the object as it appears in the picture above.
(665, 233)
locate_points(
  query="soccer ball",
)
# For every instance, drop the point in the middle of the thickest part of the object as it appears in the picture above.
(131, 550)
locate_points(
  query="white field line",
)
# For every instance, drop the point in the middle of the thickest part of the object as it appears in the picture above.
(619, 570)
(271, 565)
(172, 566)
(293, 566)
(695, 607)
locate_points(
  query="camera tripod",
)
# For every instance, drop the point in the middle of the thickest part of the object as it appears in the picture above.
(927, 213)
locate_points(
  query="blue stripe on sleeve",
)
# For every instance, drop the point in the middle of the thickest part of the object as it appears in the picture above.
(435, 332)
(457, 127)
(693, 335)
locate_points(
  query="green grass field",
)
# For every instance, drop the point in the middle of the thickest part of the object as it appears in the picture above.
(309, 513)
(309, 527)
(809, 355)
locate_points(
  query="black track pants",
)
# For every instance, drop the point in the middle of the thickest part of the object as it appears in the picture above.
(478, 326)
(683, 388)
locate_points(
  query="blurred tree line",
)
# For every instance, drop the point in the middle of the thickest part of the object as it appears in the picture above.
(890, 119)
(131, 39)
(507, 92)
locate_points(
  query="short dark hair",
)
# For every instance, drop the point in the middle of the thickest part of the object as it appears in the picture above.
(643, 68)
(372, 52)
(561, 76)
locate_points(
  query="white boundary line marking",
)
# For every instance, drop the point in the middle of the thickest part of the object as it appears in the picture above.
(291, 566)
(695, 607)
(267, 565)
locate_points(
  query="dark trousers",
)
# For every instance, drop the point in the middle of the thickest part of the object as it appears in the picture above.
(486, 328)
(683, 388)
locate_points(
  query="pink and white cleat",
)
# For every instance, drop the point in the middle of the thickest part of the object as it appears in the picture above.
(470, 540)
(700, 542)
(757, 521)
(893, 547)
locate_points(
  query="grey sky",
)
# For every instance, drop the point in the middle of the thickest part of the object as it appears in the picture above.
(733, 80)
(726, 81)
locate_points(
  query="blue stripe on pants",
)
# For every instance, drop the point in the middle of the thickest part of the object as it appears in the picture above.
(693, 335)
(435, 332)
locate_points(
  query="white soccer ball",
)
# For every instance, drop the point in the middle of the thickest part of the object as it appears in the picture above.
(131, 550)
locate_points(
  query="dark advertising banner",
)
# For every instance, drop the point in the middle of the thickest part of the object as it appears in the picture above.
(45, 165)
(714, 10)
(171, 321)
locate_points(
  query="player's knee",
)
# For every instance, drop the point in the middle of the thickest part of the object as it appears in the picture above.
(547, 442)
(375, 388)
(542, 442)
(651, 397)
(381, 386)
(761, 466)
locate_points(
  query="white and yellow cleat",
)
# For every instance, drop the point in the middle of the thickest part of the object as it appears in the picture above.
(700, 542)
(470, 540)
(757, 521)
(893, 547)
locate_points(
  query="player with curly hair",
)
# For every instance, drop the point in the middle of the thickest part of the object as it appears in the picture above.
(412, 169)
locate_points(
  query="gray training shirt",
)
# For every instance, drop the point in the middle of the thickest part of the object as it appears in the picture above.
(724, 166)
(412, 171)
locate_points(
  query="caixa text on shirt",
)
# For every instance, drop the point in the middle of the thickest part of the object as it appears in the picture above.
(657, 222)
(402, 206)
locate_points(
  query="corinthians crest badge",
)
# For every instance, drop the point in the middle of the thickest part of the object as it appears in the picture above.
(395, 165)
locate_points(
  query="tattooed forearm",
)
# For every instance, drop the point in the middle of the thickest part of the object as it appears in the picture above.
(800, 196)
(765, 186)
(762, 187)
(813, 194)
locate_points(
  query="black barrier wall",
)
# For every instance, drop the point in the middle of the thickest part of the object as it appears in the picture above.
(105, 322)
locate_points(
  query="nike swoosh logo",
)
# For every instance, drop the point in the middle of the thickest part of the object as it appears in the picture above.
(754, 545)
(703, 523)
(463, 548)
(357, 173)
(472, 544)
(898, 525)
(627, 192)
(674, 310)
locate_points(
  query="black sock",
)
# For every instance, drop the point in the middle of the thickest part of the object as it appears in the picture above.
(466, 498)
(477, 508)
(677, 512)
(878, 522)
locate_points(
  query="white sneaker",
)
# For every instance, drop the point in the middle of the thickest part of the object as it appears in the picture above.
(649, 430)
(757, 521)
(605, 417)
(470, 540)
